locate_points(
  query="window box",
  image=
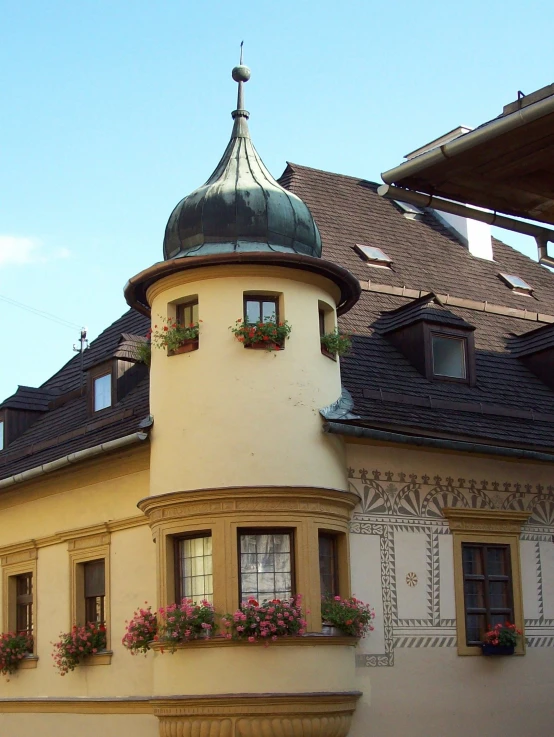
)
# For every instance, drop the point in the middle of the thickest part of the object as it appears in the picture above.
(325, 352)
(186, 347)
(330, 630)
(489, 649)
(269, 345)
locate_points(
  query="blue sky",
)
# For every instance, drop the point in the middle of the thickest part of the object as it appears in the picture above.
(114, 110)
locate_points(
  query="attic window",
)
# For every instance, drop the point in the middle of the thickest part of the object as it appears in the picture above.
(102, 387)
(449, 356)
(1, 434)
(517, 284)
(410, 212)
(374, 256)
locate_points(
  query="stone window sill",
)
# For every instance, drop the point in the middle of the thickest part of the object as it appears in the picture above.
(28, 663)
(103, 658)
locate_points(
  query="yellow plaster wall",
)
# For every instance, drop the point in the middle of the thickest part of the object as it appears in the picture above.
(69, 725)
(228, 416)
(431, 691)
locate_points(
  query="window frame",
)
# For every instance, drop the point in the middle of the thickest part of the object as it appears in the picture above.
(85, 550)
(257, 297)
(180, 308)
(3, 431)
(291, 531)
(336, 574)
(97, 372)
(482, 527)
(14, 565)
(443, 331)
(86, 566)
(177, 578)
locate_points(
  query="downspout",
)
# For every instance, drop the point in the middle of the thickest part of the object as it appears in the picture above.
(354, 431)
(72, 458)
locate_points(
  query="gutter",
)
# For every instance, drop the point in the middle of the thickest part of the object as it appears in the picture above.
(466, 142)
(461, 446)
(72, 459)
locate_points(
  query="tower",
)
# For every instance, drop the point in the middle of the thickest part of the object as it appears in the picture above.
(245, 488)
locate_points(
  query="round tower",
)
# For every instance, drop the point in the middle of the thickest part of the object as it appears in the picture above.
(242, 475)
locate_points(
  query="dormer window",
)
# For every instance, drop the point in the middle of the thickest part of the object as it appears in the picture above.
(449, 356)
(516, 283)
(102, 387)
(1, 434)
(373, 256)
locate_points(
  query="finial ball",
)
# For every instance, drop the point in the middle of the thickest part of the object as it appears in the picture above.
(241, 73)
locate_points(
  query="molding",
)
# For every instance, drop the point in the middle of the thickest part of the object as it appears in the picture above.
(137, 705)
(310, 640)
(24, 561)
(72, 535)
(257, 715)
(485, 520)
(95, 547)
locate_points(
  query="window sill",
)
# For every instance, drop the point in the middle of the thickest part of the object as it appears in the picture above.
(312, 640)
(29, 662)
(328, 354)
(103, 658)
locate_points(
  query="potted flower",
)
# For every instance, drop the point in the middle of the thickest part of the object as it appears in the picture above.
(175, 337)
(81, 642)
(350, 616)
(269, 336)
(141, 630)
(13, 648)
(143, 351)
(501, 639)
(185, 622)
(335, 344)
(268, 621)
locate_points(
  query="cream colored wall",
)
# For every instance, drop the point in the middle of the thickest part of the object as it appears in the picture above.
(228, 416)
(69, 725)
(420, 685)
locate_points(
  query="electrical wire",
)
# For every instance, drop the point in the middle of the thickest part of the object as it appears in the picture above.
(41, 313)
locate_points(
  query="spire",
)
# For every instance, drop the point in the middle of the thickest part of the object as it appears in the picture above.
(240, 74)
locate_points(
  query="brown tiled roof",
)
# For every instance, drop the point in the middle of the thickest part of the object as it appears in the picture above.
(508, 405)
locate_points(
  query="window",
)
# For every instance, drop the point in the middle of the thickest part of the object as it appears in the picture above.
(328, 565)
(24, 604)
(516, 283)
(487, 588)
(487, 573)
(194, 568)
(374, 256)
(260, 309)
(187, 313)
(266, 564)
(321, 322)
(1, 434)
(449, 357)
(95, 591)
(102, 387)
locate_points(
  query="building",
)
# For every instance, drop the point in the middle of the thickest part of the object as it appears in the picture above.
(422, 461)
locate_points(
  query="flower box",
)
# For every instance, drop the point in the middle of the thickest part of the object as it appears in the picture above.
(186, 347)
(268, 345)
(330, 631)
(325, 352)
(489, 649)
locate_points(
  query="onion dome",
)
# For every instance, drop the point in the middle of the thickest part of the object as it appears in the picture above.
(241, 208)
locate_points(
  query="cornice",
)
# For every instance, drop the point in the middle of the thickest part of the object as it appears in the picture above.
(461, 519)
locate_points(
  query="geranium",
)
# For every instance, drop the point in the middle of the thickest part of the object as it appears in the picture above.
(271, 334)
(503, 635)
(141, 630)
(73, 646)
(13, 648)
(186, 621)
(267, 621)
(336, 343)
(351, 615)
(173, 334)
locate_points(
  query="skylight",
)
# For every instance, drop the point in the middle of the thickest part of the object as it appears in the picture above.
(411, 212)
(516, 283)
(374, 256)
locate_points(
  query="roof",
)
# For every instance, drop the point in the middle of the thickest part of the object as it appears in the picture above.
(433, 276)
(508, 405)
(505, 165)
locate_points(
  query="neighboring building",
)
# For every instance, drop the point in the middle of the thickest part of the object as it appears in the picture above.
(415, 473)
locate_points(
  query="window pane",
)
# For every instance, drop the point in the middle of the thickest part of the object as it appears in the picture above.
(266, 566)
(94, 578)
(253, 311)
(327, 565)
(476, 627)
(1, 435)
(269, 310)
(496, 562)
(24, 603)
(498, 594)
(187, 314)
(102, 392)
(474, 594)
(472, 560)
(449, 357)
(195, 579)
